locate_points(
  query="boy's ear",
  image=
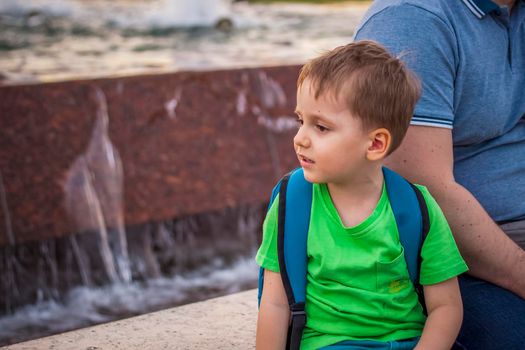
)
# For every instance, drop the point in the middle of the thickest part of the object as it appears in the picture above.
(380, 141)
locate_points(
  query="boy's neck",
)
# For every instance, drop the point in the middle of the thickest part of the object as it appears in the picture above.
(356, 199)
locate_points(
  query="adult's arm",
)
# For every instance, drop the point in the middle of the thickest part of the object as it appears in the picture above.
(426, 157)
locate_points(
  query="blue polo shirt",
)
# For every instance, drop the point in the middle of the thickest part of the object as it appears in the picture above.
(470, 56)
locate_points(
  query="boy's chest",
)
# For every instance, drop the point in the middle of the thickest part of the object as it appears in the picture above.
(372, 259)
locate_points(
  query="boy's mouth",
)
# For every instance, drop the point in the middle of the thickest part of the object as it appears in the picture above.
(305, 159)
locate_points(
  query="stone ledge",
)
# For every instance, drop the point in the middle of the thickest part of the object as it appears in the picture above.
(222, 323)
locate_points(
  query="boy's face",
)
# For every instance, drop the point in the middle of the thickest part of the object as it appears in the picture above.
(330, 143)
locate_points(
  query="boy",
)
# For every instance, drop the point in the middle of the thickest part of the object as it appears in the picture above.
(354, 106)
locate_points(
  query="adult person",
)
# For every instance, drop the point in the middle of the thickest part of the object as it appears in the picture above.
(466, 143)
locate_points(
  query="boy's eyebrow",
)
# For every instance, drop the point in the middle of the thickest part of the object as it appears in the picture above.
(316, 118)
(321, 119)
(313, 115)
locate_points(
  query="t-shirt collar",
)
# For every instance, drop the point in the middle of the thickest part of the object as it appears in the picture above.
(481, 8)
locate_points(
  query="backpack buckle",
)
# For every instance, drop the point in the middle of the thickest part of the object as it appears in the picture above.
(298, 321)
(297, 310)
(298, 313)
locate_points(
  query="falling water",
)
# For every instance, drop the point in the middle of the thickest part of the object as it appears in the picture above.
(84, 208)
(93, 192)
(103, 160)
(172, 262)
(5, 212)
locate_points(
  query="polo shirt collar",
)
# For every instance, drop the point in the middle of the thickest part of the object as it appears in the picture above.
(481, 8)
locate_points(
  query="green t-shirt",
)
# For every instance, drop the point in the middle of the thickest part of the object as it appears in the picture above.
(358, 286)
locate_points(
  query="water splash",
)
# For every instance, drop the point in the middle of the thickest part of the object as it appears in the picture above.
(171, 105)
(173, 262)
(94, 192)
(9, 263)
(272, 95)
(80, 260)
(150, 14)
(242, 103)
(270, 91)
(278, 125)
(84, 306)
(189, 13)
(31, 8)
(105, 165)
(85, 211)
(140, 36)
(7, 214)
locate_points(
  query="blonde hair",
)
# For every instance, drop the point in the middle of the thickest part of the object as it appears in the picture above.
(377, 88)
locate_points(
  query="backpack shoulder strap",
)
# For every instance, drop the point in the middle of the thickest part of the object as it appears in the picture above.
(295, 202)
(294, 220)
(412, 219)
(275, 192)
(424, 232)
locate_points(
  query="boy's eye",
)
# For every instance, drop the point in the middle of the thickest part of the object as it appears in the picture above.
(321, 128)
(299, 121)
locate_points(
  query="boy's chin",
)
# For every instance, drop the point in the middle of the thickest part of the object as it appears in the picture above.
(311, 178)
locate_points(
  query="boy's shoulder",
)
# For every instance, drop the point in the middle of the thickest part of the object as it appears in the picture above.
(424, 190)
(429, 199)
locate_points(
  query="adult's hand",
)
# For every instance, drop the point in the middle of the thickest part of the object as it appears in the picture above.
(426, 157)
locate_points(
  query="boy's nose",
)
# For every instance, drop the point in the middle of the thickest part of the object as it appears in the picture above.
(300, 139)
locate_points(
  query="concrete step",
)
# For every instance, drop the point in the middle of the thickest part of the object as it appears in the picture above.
(222, 323)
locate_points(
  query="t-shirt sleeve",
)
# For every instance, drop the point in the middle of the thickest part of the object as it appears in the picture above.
(428, 46)
(267, 254)
(441, 259)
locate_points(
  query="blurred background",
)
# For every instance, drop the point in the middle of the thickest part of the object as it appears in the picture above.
(46, 40)
(139, 140)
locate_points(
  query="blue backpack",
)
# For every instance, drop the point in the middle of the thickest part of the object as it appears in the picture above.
(295, 202)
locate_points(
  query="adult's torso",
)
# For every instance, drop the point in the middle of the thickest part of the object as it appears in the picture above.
(486, 106)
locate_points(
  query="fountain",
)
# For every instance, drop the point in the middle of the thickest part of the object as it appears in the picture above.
(128, 194)
(194, 155)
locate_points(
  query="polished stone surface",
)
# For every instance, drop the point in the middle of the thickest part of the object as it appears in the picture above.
(190, 142)
(227, 322)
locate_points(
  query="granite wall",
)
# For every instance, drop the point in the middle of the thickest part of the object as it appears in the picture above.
(183, 143)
